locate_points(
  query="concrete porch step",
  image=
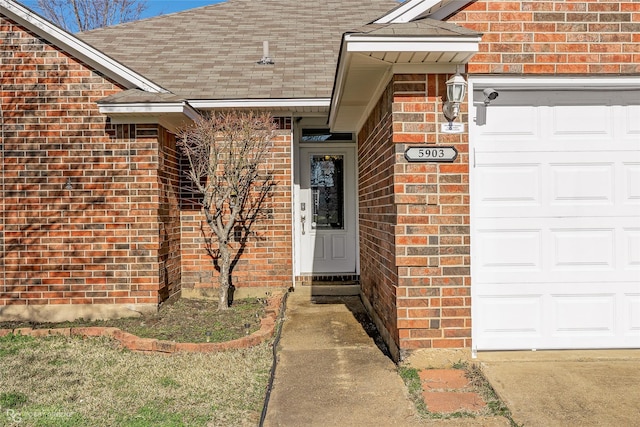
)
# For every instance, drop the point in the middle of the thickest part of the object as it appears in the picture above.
(331, 288)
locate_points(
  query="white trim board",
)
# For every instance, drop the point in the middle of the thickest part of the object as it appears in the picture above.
(260, 103)
(558, 82)
(412, 9)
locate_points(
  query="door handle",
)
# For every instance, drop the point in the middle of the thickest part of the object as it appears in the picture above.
(303, 219)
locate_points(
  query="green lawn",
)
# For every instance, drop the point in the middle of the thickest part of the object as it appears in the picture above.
(60, 381)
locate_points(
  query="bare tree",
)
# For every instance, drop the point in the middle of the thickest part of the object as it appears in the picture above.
(226, 154)
(84, 15)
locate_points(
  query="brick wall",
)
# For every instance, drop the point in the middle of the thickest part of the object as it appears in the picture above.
(169, 216)
(79, 196)
(266, 258)
(377, 215)
(433, 221)
(414, 219)
(554, 37)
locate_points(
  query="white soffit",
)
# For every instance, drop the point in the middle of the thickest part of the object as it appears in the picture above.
(414, 50)
(412, 9)
(149, 108)
(368, 62)
(170, 115)
(77, 48)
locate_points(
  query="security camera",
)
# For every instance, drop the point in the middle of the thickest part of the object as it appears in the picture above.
(490, 94)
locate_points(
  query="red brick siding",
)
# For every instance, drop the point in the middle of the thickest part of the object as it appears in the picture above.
(554, 37)
(266, 259)
(377, 213)
(421, 266)
(96, 243)
(139, 223)
(169, 216)
(432, 245)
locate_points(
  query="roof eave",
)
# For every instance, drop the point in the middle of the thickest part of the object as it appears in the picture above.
(170, 115)
(366, 64)
(77, 48)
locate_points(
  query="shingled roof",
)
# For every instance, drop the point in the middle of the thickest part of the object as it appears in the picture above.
(212, 52)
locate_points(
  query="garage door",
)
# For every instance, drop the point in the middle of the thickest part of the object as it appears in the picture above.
(555, 208)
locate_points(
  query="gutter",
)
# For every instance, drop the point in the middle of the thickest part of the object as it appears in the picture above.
(209, 104)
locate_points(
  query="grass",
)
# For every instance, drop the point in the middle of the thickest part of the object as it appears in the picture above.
(411, 379)
(478, 383)
(12, 400)
(187, 320)
(488, 394)
(61, 381)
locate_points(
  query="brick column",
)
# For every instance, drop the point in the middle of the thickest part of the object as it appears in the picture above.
(414, 220)
(432, 231)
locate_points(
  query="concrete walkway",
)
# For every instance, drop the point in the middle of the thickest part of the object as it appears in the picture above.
(330, 372)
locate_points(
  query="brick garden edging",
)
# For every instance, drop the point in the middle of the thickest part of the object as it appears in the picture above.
(152, 345)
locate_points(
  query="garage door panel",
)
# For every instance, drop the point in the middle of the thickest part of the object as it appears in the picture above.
(596, 123)
(561, 249)
(503, 188)
(631, 125)
(583, 314)
(525, 316)
(582, 184)
(510, 250)
(631, 319)
(544, 184)
(631, 249)
(631, 182)
(582, 250)
(511, 315)
(509, 184)
(555, 220)
(512, 126)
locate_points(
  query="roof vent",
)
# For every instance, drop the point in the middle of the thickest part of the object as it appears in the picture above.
(266, 60)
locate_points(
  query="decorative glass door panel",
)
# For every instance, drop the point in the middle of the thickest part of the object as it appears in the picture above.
(327, 191)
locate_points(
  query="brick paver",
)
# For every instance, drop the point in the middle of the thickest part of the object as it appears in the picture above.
(435, 379)
(447, 390)
(453, 401)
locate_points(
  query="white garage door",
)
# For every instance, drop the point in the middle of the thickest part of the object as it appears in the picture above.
(555, 205)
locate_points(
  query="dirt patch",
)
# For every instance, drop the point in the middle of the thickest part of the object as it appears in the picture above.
(187, 320)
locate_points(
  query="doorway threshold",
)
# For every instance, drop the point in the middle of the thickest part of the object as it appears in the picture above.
(330, 285)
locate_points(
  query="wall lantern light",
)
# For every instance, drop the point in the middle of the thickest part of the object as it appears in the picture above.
(456, 90)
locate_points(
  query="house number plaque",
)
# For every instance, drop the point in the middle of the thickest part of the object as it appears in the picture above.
(433, 154)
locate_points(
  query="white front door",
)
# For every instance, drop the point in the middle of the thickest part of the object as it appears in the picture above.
(555, 191)
(326, 210)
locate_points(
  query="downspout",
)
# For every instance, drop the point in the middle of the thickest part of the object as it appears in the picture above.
(292, 147)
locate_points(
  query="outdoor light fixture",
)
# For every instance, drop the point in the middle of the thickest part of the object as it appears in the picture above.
(456, 90)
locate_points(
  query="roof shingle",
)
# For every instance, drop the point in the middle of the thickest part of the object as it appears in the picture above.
(212, 52)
